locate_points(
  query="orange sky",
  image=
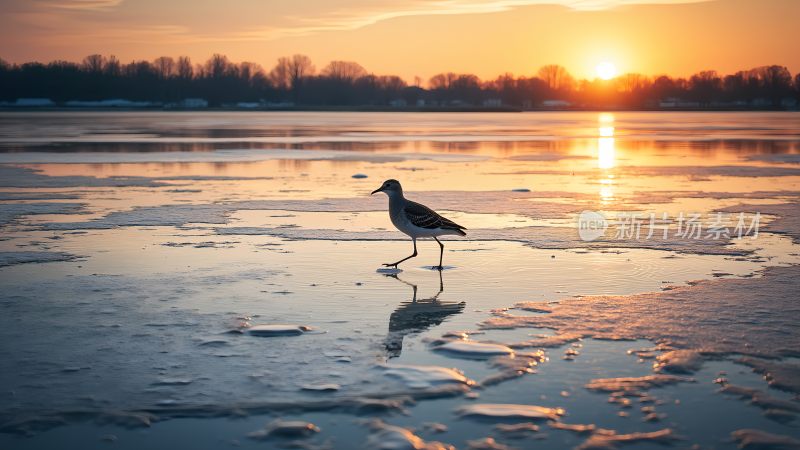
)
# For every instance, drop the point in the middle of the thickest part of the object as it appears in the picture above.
(417, 37)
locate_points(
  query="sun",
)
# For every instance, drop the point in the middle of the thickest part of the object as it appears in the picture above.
(606, 70)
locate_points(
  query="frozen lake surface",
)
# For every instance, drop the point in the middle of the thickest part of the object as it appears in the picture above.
(210, 280)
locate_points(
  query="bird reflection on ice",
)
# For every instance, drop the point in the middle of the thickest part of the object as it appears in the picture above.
(415, 316)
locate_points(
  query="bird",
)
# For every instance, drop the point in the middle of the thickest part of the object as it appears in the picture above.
(416, 220)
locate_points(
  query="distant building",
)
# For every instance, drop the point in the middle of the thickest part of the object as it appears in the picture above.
(672, 102)
(30, 102)
(279, 105)
(493, 103)
(397, 103)
(110, 103)
(193, 103)
(556, 104)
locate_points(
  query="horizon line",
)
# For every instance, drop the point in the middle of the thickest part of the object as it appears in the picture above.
(266, 71)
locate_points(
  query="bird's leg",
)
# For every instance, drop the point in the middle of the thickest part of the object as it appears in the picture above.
(441, 254)
(407, 257)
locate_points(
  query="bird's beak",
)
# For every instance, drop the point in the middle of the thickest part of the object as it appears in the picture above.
(376, 190)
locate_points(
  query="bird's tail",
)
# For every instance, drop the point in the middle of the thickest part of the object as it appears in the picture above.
(459, 230)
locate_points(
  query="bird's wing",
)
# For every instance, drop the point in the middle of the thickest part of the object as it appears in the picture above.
(424, 217)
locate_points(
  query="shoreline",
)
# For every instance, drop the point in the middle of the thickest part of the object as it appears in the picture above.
(383, 109)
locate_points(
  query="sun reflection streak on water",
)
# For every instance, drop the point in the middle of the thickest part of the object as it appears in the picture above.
(606, 155)
(606, 151)
(607, 190)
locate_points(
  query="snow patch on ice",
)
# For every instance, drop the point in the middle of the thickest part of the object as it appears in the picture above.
(473, 349)
(679, 361)
(509, 411)
(752, 439)
(390, 437)
(609, 440)
(422, 377)
(635, 384)
(285, 429)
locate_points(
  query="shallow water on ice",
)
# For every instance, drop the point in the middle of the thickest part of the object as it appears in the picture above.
(141, 321)
(169, 235)
(701, 414)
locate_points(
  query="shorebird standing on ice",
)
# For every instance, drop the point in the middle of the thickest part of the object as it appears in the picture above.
(415, 220)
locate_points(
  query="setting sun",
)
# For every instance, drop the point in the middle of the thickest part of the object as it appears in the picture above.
(606, 70)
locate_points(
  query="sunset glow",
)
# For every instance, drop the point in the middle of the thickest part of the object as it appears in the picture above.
(481, 38)
(606, 70)
(260, 224)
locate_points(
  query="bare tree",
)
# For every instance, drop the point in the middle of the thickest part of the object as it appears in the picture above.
(776, 82)
(164, 66)
(300, 66)
(279, 75)
(249, 70)
(290, 72)
(221, 81)
(113, 67)
(705, 86)
(632, 82)
(556, 77)
(797, 86)
(442, 80)
(344, 70)
(93, 63)
(184, 69)
(219, 66)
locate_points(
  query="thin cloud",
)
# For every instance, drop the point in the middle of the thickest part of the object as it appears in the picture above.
(350, 20)
(340, 19)
(85, 5)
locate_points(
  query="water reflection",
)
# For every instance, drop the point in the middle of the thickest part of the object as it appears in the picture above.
(415, 316)
(606, 151)
(606, 155)
(607, 190)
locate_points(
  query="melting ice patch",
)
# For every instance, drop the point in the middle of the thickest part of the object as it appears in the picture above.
(702, 316)
(634, 384)
(421, 377)
(14, 258)
(679, 361)
(750, 439)
(517, 430)
(390, 437)
(270, 330)
(10, 211)
(609, 440)
(474, 350)
(233, 155)
(501, 411)
(285, 429)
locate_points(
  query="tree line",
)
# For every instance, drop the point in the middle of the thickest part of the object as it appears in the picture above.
(295, 81)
